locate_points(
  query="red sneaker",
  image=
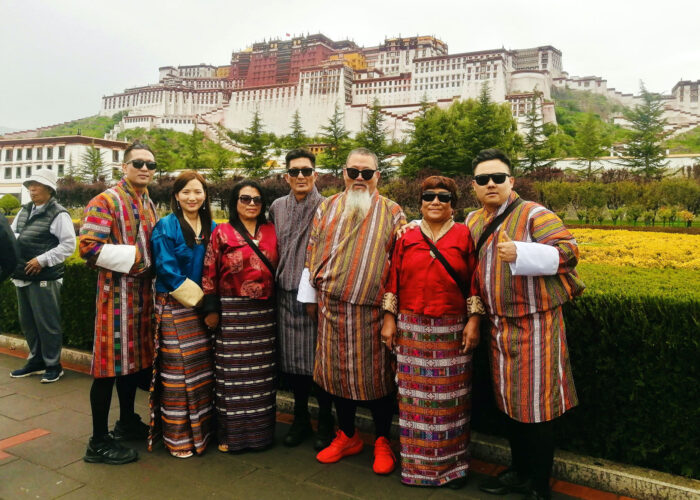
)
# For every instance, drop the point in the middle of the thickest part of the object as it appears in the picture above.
(384, 459)
(341, 446)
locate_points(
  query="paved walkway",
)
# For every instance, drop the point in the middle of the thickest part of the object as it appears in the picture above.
(44, 429)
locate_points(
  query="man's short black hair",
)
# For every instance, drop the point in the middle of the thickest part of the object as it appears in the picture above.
(300, 153)
(136, 145)
(490, 154)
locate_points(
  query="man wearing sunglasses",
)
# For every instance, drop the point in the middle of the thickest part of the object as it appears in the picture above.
(115, 238)
(347, 262)
(293, 215)
(526, 272)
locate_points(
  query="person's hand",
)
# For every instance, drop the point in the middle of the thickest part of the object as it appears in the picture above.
(506, 248)
(312, 310)
(33, 267)
(470, 335)
(388, 330)
(211, 320)
(406, 227)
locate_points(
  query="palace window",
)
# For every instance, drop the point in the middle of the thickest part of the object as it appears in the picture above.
(38, 153)
(49, 153)
(8, 155)
(115, 156)
(8, 172)
(28, 154)
(60, 170)
(18, 156)
(18, 172)
(61, 152)
(27, 171)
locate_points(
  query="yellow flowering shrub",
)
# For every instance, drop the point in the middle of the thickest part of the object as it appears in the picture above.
(638, 248)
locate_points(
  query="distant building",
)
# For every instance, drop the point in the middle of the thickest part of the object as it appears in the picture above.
(20, 157)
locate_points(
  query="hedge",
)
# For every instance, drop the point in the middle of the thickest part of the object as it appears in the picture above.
(634, 345)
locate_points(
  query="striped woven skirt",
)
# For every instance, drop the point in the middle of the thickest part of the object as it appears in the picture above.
(351, 362)
(434, 380)
(246, 373)
(530, 366)
(182, 388)
(297, 335)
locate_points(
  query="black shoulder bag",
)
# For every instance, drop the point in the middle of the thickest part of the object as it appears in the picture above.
(495, 223)
(450, 270)
(243, 232)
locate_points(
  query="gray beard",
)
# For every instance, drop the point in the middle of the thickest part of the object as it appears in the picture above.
(357, 203)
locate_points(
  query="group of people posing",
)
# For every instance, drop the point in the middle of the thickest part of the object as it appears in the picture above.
(341, 298)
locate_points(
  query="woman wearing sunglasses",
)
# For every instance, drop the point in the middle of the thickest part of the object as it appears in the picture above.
(238, 284)
(431, 319)
(182, 394)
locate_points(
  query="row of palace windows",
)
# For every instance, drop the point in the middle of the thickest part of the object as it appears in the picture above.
(28, 171)
(37, 153)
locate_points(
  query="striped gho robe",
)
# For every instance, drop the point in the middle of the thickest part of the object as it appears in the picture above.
(348, 262)
(116, 221)
(530, 367)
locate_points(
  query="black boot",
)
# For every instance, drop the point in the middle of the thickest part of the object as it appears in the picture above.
(300, 429)
(325, 432)
(131, 429)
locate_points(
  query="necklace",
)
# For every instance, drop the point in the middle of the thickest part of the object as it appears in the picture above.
(197, 228)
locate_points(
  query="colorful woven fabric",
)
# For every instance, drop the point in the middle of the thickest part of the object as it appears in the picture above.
(531, 371)
(296, 333)
(348, 258)
(530, 367)
(246, 373)
(514, 296)
(123, 341)
(182, 392)
(351, 361)
(434, 380)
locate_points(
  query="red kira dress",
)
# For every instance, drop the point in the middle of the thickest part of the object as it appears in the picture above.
(239, 284)
(434, 377)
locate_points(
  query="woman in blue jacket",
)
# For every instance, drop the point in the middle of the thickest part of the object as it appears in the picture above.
(182, 391)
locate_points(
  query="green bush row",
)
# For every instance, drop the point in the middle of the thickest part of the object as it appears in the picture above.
(634, 345)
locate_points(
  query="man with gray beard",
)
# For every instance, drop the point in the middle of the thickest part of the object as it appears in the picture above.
(347, 262)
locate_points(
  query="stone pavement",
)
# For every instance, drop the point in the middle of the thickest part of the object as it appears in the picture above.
(44, 429)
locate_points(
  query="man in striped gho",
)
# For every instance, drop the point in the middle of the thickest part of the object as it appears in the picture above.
(347, 262)
(525, 272)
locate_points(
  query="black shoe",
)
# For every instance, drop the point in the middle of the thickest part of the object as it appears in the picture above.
(508, 481)
(534, 495)
(300, 430)
(52, 374)
(130, 430)
(457, 484)
(27, 370)
(107, 451)
(325, 432)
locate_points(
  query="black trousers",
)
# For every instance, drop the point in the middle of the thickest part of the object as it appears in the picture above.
(532, 451)
(382, 410)
(302, 386)
(101, 399)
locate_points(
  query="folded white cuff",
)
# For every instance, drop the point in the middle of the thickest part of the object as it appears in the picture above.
(119, 258)
(306, 293)
(535, 259)
(189, 294)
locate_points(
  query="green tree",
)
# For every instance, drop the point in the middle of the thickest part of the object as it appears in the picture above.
(297, 138)
(589, 146)
(489, 125)
(195, 149)
(92, 164)
(337, 137)
(219, 159)
(256, 143)
(645, 153)
(8, 203)
(373, 136)
(536, 152)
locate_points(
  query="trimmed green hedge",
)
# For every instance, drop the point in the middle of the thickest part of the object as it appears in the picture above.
(634, 340)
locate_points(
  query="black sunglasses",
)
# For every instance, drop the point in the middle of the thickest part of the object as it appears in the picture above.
(354, 173)
(138, 164)
(429, 196)
(246, 199)
(306, 172)
(483, 179)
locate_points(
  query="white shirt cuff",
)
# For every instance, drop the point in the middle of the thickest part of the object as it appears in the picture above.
(534, 259)
(306, 293)
(119, 258)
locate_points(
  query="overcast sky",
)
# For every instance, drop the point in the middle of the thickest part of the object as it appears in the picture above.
(58, 58)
